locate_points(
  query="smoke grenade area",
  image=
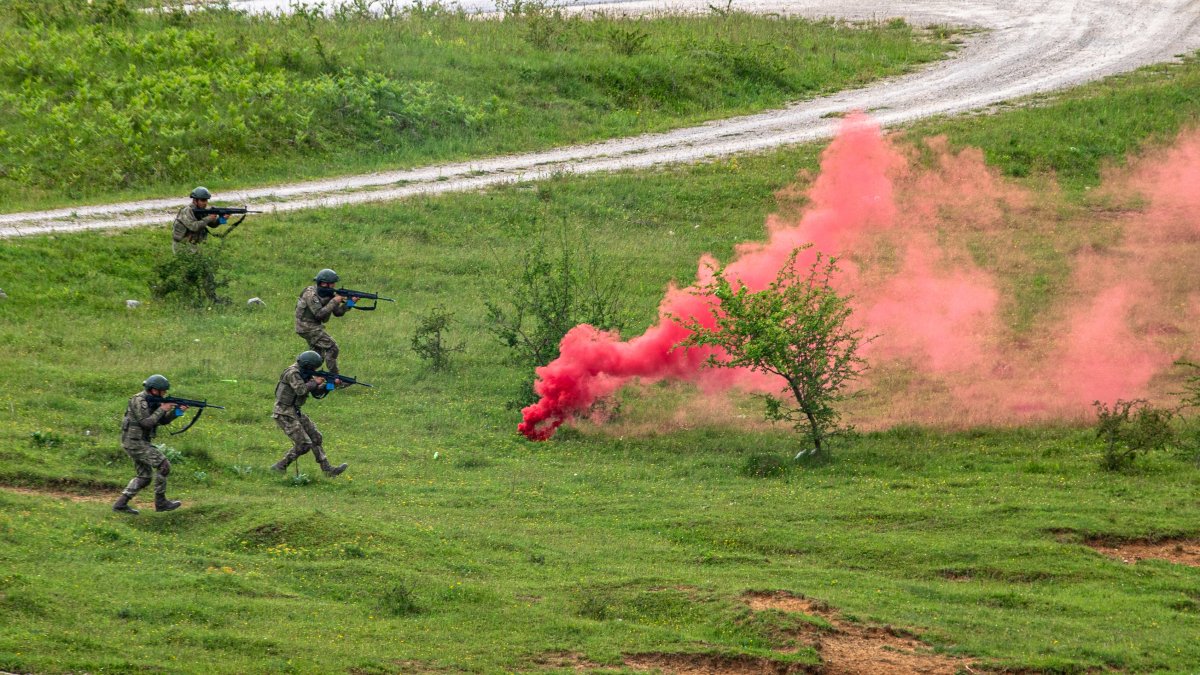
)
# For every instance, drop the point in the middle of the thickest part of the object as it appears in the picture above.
(992, 304)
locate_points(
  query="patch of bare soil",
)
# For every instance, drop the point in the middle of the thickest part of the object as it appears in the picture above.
(565, 661)
(852, 649)
(1178, 551)
(708, 664)
(75, 496)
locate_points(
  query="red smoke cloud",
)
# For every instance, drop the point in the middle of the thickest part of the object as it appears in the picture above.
(902, 233)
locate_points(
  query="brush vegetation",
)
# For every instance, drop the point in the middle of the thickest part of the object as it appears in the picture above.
(453, 544)
(99, 100)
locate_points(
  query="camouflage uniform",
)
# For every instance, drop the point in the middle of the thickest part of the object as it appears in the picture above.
(312, 312)
(137, 430)
(290, 394)
(188, 228)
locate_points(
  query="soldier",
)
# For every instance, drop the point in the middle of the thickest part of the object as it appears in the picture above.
(188, 228)
(290, 394)
(314, 308)
(142, 420)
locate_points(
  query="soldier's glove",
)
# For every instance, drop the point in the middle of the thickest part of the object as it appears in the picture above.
(164, 469)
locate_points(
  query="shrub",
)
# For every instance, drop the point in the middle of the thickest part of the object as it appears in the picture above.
(190, 277)
(1130, 428)
(764, 465)
(401, 600)
(561, 285)
(429, 340)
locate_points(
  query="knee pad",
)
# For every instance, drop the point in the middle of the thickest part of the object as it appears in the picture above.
(164, 469)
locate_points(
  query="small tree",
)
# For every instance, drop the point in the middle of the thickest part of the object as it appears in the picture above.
(430, 341)
(1131, 428)
(794, 328)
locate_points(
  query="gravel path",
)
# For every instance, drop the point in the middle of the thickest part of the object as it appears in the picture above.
(1029, 46)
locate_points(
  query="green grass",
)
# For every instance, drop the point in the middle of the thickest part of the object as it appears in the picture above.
(1073, 135)
(499, 551)
(102, 104)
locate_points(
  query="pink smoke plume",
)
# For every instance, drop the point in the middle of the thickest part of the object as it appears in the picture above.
(901, 231)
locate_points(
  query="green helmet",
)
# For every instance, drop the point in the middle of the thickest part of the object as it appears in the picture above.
(157, 382)
(309, 360)
(326, 276)
(201, 193)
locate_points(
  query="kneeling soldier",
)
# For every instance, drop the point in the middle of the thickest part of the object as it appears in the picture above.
(290, 394)
(142, 420)
(188, 231)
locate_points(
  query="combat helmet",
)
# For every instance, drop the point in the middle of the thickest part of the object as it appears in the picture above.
(326, 276)
(309, 360)
(156, 382)
(201, 193)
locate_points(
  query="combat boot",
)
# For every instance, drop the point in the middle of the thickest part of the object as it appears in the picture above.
(122, 505)
(286, 461)
(161, 503)
(334, 471)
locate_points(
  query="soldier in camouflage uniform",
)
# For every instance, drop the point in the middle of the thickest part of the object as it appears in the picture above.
(313, 311)
(290, 394)
(189, 231)
(142, 420)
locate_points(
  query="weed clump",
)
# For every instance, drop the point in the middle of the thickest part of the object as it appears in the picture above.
(763, 465)
(401, 600)
(45, 439)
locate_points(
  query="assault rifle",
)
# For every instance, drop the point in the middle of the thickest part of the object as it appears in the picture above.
(222, 213)
(330, 378)
(198, 405)
(324, 292)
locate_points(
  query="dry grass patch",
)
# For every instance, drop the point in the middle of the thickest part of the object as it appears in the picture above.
(77, 496)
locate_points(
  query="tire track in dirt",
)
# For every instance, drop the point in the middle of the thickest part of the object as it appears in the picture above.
(1027, 47)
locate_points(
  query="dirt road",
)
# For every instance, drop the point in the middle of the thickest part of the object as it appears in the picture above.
(1029, 46)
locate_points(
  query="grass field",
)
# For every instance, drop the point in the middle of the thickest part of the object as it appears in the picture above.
(168, 96)
(453, 545)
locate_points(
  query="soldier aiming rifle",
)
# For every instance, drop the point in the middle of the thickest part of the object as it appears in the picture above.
(193, 222)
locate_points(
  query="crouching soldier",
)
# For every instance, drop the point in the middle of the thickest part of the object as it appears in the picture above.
(317, 304)
(189, 231)
(290, 394)
(142, 420)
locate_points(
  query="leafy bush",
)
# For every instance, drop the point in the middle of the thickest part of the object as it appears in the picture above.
(561, 285)
(1130, 428)
(190, 277)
